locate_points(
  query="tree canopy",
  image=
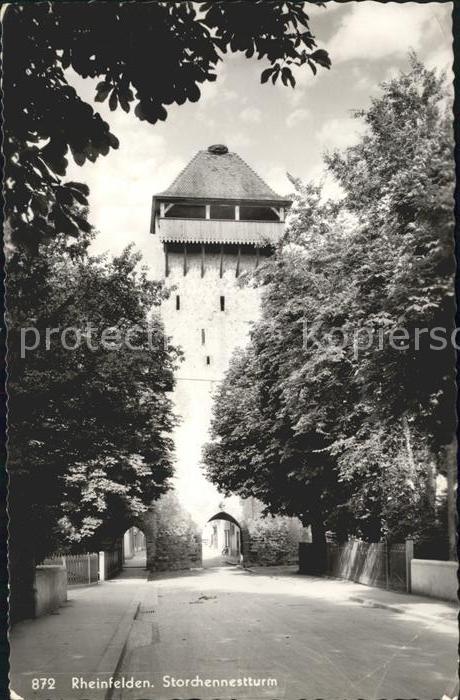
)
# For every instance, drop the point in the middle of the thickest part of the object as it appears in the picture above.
(147, 55)
(332, 413)
(89, 412)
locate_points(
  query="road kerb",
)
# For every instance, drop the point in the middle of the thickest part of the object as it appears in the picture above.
(401, 611)
(124, 634)
(113, 654)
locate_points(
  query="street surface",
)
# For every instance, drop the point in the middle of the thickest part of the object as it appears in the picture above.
(226, 623)
(246, 631)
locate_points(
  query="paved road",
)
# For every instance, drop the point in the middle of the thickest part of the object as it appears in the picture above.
(137, 561)
(226, 623)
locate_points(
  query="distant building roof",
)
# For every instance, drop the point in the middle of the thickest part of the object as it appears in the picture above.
(219, 174)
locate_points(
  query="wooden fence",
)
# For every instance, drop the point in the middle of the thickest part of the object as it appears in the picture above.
(82, 569)
(113, 562)
(86, 569)
(371, 563)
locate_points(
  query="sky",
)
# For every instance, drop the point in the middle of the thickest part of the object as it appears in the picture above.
(276, 129)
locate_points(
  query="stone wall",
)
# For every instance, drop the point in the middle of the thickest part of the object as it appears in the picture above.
(50, 589)
(437, 579)
(173, 540)
(177, 541)
(265, 540)
(148, 524)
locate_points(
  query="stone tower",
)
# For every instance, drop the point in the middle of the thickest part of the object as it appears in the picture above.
(217, 220)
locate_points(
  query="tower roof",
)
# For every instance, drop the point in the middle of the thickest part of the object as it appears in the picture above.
(218, 174)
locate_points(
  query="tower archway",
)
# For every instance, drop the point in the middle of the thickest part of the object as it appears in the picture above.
(134, 548)
(223, 540)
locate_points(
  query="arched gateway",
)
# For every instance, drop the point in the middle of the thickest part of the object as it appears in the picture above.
(224, 540)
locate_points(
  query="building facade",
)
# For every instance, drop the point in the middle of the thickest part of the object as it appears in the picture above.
(211, 228)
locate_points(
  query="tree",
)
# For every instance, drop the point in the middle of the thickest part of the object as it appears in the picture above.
(344, 429)
(399, 182)
(259, 447)
(147, 55)
(89, 414)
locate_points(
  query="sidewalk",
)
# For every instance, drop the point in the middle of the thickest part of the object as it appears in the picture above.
(85, 637)
(428, 609)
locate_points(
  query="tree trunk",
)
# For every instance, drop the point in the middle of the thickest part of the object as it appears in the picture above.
(451, 466)
(21, 555)
(318, 533)
(319, 548)
(408, 440)
(21, 569)
(431, 483)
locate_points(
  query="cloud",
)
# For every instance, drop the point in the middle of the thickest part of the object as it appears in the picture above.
(304, 79)
(215, 93)
(121, 191)
(251, 115)
(442, 59)
(296, 117)
(339, 133)
(121, 184)
(320, 175)
(297, 96)
(275, 176)
(211, 91)
(378, 30)
(362, 80)
(238, 140)
(318, 11)
(203, 117)
(228, 95)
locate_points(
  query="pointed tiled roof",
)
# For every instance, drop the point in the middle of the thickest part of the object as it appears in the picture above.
(219, 174)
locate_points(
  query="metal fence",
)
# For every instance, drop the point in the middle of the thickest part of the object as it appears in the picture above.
(82, 569)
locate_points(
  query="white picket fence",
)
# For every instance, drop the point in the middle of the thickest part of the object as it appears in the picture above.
(82, 569)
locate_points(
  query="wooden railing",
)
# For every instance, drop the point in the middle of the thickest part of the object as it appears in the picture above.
(220, 231)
